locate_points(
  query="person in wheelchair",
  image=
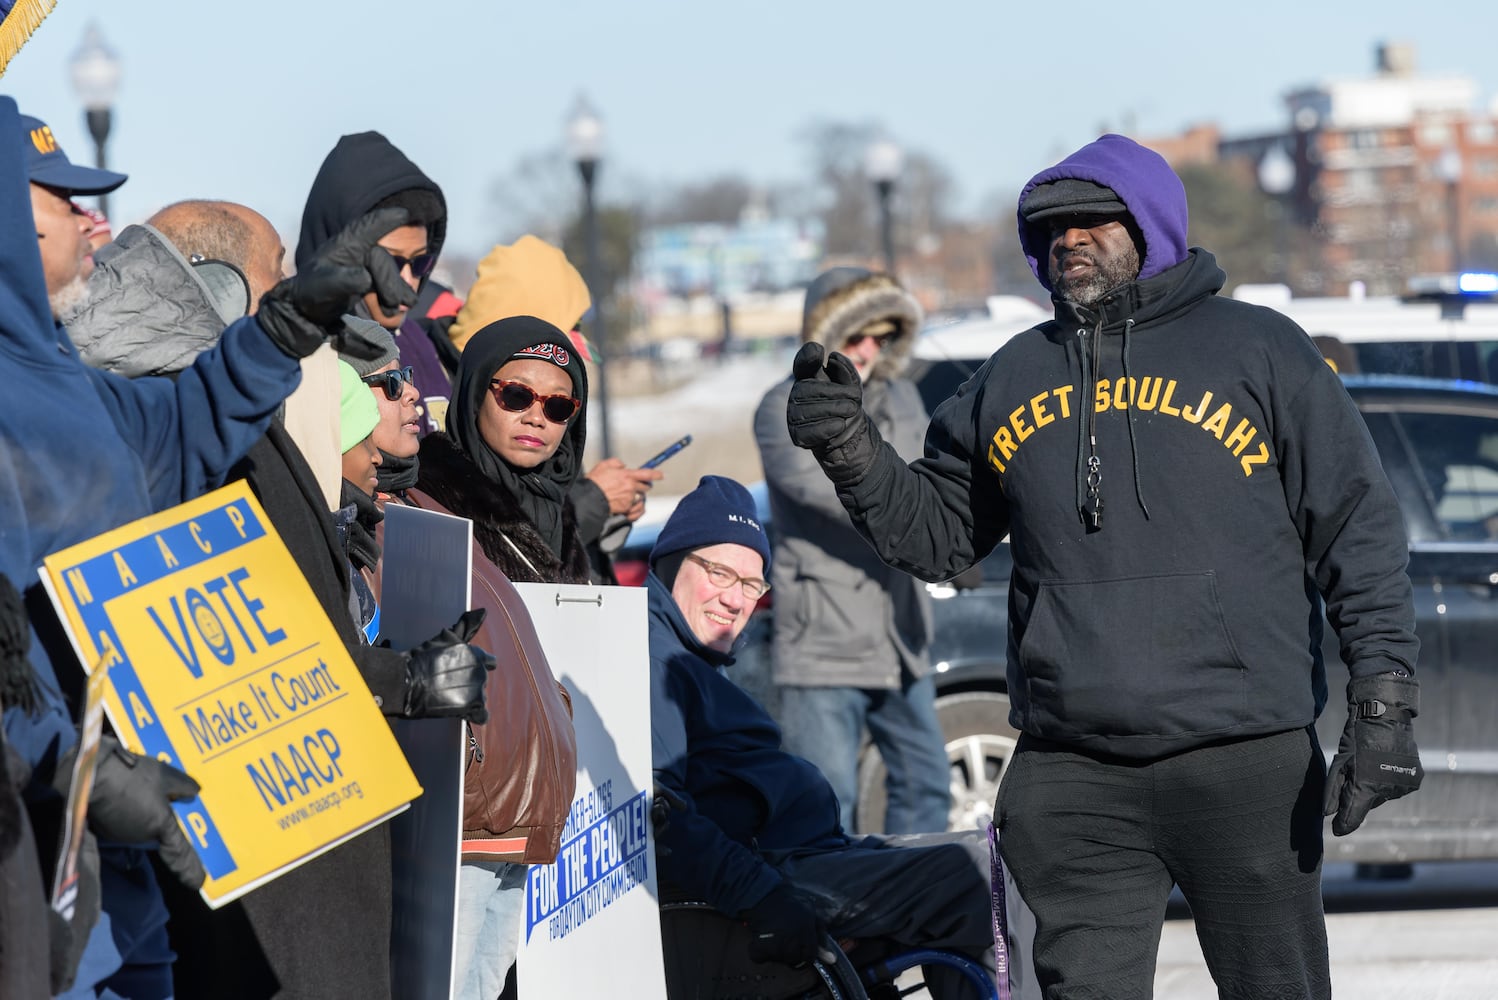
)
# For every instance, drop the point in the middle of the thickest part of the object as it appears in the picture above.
(749, 828)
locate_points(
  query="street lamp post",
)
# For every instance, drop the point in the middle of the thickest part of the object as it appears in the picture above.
(1449, 170)
(1277, 178)
(585, 145)
(882, 163)
(95, 70)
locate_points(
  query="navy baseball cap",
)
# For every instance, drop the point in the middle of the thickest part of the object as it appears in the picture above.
(47, 164)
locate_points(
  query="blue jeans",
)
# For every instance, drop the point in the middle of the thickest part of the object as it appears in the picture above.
(825, 725)
(491, 901)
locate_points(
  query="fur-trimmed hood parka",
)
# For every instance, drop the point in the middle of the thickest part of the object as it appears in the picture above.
(843, 618)
(844, 300)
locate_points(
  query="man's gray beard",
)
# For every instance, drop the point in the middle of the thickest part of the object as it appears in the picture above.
(69, 300)
(1102, 279)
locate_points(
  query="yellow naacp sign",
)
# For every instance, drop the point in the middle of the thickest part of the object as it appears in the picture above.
(222, 662)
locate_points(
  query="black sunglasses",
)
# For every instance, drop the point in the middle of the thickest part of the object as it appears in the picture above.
(393, 381)
(421, 265)
(517, 397)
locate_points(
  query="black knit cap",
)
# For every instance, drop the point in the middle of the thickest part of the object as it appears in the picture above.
(1070, 196)
(424, 207)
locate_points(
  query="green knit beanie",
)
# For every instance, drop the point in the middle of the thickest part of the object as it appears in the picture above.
(358, 412)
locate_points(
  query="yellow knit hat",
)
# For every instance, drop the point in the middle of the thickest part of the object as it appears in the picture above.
(528, 278)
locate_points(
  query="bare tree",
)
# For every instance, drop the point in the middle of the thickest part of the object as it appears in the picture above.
(843, 192)
(721, 199)
(539, 194)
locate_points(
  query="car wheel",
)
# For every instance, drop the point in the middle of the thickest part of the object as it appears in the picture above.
(979, 740)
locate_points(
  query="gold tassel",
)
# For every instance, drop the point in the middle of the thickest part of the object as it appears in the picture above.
(18, 25)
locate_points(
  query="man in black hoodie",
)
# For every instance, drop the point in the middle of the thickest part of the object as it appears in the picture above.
(1183, 481)
(363, 172)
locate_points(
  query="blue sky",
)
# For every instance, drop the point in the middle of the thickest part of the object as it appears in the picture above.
(242, 100)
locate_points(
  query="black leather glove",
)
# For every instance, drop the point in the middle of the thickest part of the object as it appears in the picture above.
(1377, 759)
(445, 675)
(131, 803)
(784, 929)
(306, 310)
(825, 414)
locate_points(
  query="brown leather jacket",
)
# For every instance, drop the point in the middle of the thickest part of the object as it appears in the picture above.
(522, 766)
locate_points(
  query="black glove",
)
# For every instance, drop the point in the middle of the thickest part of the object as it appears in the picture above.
(445, 675)
(130, 803)
(306, 310)
(784, 929)
(1377, 759)
(825, 414)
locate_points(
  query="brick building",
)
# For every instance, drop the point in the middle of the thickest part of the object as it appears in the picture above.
(1385, 176)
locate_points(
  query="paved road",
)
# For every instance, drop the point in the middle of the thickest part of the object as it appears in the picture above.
(1430, 937)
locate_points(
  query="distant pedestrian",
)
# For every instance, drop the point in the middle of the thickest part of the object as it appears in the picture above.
(852, 633)
(1183, 480)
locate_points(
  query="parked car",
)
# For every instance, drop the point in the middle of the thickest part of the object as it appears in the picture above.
(1438, 440)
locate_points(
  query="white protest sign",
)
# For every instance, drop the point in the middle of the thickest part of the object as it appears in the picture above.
(591, 919)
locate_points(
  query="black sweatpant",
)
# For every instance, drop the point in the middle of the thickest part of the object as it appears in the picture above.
(1095, 844)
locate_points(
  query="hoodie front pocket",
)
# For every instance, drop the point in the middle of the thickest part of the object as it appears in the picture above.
(1148, 656)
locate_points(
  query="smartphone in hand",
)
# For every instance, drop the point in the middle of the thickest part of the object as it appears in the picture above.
(667, 452)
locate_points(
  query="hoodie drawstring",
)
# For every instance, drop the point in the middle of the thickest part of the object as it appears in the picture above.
(1133, 445)
(1081, 424)
(1089, 470)
(1087, 456)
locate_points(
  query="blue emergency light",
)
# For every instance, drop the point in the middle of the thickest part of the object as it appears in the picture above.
(1477, 283)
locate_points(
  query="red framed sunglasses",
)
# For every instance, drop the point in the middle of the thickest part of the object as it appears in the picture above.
(517, 397)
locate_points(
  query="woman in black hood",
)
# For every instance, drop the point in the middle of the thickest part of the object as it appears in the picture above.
(509, 469)
(512, 452)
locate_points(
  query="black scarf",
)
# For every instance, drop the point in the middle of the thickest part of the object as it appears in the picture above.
(540, 491)
(501, 528)
(358, 537)
(396, 475)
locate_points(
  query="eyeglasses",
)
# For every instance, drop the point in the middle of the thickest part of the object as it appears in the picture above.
(723, 577)
(421, 265)
(517, 397)
(393, 381)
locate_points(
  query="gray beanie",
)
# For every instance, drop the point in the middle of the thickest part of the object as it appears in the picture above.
(369, 332)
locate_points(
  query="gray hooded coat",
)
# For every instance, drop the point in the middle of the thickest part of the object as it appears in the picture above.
(151, 311)
(843, 618)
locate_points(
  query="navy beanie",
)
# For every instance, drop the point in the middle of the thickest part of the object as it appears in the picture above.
(718, 512)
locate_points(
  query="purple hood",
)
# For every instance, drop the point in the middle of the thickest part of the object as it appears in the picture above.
(1142, 180)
